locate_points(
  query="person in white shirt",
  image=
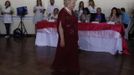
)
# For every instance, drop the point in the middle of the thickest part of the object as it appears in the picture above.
(80, 9)
(54, 15)
(7, 13)
(51, 8)
(92, 7)
(39, 11)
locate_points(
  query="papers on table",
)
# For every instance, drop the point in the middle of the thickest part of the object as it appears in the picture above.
(110, 22)
(51, 20)
(96, 22)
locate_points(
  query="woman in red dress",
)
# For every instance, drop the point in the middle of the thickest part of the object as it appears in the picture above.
(66, 57)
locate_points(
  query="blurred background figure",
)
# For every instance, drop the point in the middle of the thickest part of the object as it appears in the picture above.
(80, 9)
(51, 8)
(54, 15)
(85, 16)
(7, 13)
(39, 11)
(99, 16)
(115, 16)
(92, 7)
(125, 17)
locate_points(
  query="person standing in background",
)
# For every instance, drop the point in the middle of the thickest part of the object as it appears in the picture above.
(39, 11)
(91, 7)
(51, 8)
(125, 17)
(7, 13)
(54, 15)
(80, 9)
(67, 53)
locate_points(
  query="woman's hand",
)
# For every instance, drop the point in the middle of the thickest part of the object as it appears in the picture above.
(62, 43)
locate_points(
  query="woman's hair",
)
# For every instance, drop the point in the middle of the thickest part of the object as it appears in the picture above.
(92, 2)
(98, 8)
(123, 9)
(81, 2)
(66, 2)
(8, 2)
(86, 11)
(117, 13)
(38, 3)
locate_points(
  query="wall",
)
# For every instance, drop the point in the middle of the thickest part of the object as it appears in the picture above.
(106, 6)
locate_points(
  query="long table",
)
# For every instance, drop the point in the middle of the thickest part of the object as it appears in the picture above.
(100, 37)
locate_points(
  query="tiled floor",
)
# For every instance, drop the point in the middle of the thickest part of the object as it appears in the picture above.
(22, 57)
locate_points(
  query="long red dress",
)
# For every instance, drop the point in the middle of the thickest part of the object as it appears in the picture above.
(67, 57)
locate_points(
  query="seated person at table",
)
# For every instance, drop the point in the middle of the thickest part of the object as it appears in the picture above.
(54, 15)
(85, 16)
(99, 16)
(114, 16)
(125, 17)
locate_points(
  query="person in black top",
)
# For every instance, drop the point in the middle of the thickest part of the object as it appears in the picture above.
(98, 16)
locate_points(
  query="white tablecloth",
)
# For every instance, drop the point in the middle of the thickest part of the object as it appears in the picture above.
(98, 41)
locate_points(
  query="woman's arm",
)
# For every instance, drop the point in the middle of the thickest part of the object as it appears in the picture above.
(61, 33)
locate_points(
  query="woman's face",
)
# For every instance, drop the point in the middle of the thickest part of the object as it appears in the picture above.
(71, 4)
(98, 10)
(81, 4)
(52, 2)
(90, 3)
(114, 11)
(7, 3)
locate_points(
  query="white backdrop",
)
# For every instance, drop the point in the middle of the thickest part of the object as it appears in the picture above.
(106, 6)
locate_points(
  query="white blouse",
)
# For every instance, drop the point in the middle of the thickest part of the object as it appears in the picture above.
(91, 9)
(7, 17)
(39, 14)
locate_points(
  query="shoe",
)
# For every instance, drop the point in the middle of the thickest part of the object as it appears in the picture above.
(7, 36)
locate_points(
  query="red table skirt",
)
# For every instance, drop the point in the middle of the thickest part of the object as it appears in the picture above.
(91, 27)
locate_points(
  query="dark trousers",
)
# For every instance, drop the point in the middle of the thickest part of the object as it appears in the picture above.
(7, 25)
